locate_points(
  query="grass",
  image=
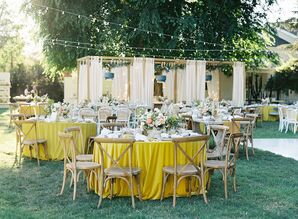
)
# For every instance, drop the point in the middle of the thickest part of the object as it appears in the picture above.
(270, 130)
(267, 188)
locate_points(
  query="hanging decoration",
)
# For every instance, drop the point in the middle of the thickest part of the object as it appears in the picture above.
(161, 78)
(109, 75)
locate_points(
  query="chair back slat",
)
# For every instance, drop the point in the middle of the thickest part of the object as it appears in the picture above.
(68, 144)
(24, 133)
(77, 133)
(115, 160)
(233, 143)
(218, 132)
(190, 159)
(104, 113)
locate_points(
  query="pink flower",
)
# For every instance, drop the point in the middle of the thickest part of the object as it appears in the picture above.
(149, 121)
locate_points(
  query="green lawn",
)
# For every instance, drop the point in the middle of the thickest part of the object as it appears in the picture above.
(267, 188)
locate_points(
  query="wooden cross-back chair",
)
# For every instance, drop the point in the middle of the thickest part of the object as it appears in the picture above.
(227, 165)
(77, 134)
(74, 166)
(27, 136)
(245, 125)
(194, 167)
(115, 171)
(104, 113)
(26, 110)
(218, 132)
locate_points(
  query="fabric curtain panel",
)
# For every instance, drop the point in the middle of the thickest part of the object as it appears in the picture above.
(142, 81)
(95, 78)
(181, 84)
(148, 87)
(120, 83)
(190, 74)
(168, 86)
(136, 81)
(238, 84)
(213, 85)
(83, 92)
(201, 80)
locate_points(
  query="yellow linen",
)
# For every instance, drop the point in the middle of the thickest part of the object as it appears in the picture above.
(30, 110)
(49, 131)
(266, 110)
(151, 157)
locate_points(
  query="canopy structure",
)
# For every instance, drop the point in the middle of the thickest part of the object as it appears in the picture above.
(134, 79)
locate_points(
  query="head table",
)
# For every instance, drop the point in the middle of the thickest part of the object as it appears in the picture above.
(151, 157)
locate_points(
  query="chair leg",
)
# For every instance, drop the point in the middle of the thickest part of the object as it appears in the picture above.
(175, 187)
(252, 145)
(37, 153)
(74, 186)
(101, 190)
(234, 180)
(64, 180)
(189, 186)
(45, 148)
(226, 184)
(246, 148)
(203, 186)
(138, 180)
(111, 188)
(131, 192)
(164, 181)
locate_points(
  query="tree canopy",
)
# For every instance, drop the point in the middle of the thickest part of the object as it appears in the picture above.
(233, 30)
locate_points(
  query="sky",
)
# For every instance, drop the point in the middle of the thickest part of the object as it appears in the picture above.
(283, 10)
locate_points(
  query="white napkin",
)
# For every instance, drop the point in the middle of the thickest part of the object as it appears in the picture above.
(194, 134)
(175, 136)
(105, 132)
(164, 135)
(140, 137)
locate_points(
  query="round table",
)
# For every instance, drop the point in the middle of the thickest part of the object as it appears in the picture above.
(151, 157)
(49, 131)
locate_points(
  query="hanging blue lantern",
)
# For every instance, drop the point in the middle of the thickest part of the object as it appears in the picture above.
(161, 78)
(208, 77)
(109, 75)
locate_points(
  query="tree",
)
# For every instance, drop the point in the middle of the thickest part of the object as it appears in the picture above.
(114, 25)
(284, 79)
(11, 44)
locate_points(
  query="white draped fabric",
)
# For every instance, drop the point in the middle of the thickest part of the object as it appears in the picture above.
(201, 80)
(120, 83)
(190, 77)
(83, 84)
(238, 84)
(192, 81)
(142, 81)
(168, 86)
(213, 85)
(181, 84)
(95, 78)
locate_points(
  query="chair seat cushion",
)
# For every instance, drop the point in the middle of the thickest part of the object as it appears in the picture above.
(83, 165)
(215, 154)
(84, 157)
(184, 170)
(121, 171)
(39, 141)
(217, 164)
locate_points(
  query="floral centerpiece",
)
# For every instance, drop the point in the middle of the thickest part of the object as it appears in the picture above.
(41, 99)
(62, 109)
(157, 120)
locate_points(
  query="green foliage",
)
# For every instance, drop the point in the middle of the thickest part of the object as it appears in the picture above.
(234, 24)
(285, 79)
(11, 44)
(23, 75)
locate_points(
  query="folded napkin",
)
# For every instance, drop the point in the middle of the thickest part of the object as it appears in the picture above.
(175, 136)
(194, 134)
(105, 132)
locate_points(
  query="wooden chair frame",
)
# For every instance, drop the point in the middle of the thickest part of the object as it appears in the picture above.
(229, 164)
(71, 165)
(23, 139)
(106, 176)
(218, 132)
(180, 174)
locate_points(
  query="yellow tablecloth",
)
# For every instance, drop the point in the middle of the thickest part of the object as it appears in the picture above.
(266, 110)
(49, 131)
(151, 157)
(202, 127)
(30, 110)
